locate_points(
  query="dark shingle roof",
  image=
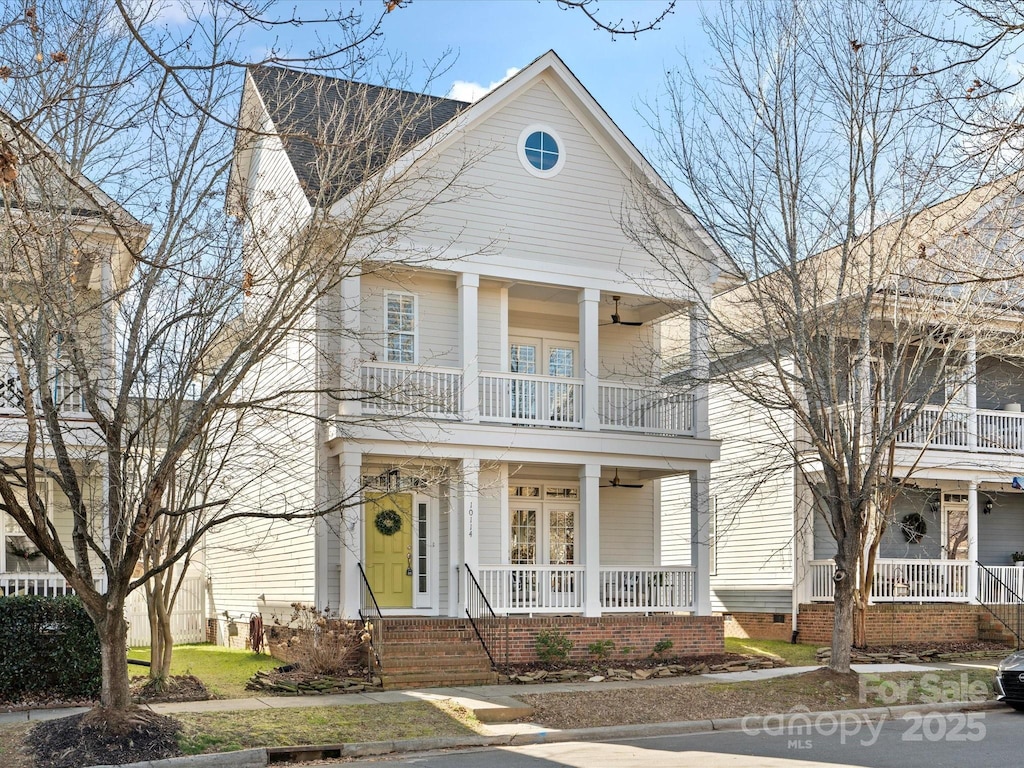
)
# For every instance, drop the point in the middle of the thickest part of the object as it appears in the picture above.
(338, 132)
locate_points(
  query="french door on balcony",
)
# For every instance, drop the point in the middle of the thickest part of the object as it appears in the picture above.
(554, 358)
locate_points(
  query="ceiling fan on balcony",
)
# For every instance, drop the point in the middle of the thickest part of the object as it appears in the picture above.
(617, 320)
(616, 483)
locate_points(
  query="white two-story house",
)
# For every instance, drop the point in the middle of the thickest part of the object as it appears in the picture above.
(507, 433)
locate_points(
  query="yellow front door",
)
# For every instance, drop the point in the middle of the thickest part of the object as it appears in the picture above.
(389, 548)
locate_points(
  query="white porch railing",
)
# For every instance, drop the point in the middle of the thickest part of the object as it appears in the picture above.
(533, 588)
(41, 583)
(961, 429)
(401, 389)
(1000, 584)
(519, 398)
(647, 589)
(188, 619)
(642, 409)
(903, 580)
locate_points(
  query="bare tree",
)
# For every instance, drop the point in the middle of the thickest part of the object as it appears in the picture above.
(140, 336)
(825, 163)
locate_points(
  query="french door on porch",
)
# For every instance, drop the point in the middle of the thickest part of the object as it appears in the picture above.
(542, 540)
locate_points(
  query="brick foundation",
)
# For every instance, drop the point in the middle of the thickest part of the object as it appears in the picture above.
(896, 623)
(634, 636)
(759, 626)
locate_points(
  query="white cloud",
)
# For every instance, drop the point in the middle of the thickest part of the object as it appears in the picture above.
(463, 90)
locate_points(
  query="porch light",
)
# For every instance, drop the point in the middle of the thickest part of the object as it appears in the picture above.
(988, 506)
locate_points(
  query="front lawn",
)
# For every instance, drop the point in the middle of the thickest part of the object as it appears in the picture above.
(798, 655)
(224, 671)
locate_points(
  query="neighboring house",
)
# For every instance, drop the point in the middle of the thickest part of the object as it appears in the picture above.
(51, 213)
(513, 426)
(945, 559)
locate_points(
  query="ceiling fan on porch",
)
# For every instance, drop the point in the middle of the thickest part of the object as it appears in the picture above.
(616, 483)
(617, 320)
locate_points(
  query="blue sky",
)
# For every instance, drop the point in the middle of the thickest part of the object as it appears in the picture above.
(490, 37)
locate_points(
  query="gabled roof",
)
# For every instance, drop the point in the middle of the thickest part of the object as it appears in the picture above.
(308, 109)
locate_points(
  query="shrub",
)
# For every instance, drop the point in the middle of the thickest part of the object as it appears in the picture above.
(50, 647)
(317, 642)
(662, 647)
(552, 646)
(600, 649)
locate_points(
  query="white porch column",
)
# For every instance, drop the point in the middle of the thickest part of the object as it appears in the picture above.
(351, 534)
(590, 537)
(469, 352)
(589, 356)
(700, 528)
(699, 367)
(971, 386)
(348, 347)
(470, 525)
(972, 541)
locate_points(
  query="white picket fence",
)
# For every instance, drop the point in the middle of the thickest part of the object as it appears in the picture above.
(188, 620)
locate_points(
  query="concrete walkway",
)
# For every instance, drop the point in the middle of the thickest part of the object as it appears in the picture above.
(490, 703)
(495, 706)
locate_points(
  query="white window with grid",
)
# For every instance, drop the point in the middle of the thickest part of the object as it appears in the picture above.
(400, 327)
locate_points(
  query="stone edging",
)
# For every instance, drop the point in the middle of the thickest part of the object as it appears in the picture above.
(647, 673)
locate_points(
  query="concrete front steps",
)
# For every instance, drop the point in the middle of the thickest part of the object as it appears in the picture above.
(429, 653)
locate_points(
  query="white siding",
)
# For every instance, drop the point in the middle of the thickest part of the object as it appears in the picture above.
(437, 316)
(489, 522)
(627, 526)
(490, 342)
(754, 495)
(571, 220)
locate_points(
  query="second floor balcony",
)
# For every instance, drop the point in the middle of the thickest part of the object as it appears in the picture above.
(965, 429)
(524, 400)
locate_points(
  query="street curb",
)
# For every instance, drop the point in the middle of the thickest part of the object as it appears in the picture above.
(259, 758)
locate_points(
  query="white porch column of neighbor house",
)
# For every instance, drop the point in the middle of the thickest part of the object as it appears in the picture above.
(971, 387)
(348, 346)
(700, 545)
(469, 325)
(972, 541)
(588, 301)
(351, 533)
(700, 367)
(590, 537)
(470, 527)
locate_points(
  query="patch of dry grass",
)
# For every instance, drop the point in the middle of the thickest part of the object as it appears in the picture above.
(229, 731)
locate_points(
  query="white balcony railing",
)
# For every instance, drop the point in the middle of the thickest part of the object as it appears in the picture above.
(647, 589)
(517, 398)
(66, 393)
(903, 580)
(533, 588)
(961, 429)
(643, 409)
(396, 389)
(523, 399)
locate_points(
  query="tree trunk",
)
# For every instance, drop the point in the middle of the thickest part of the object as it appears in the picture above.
(842, 627)
(113, 633)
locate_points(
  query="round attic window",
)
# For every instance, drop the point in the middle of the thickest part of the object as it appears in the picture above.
(541, 151)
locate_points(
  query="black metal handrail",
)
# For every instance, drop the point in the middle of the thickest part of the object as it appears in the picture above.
(1018, 603)
(373, 622)
(491, 629)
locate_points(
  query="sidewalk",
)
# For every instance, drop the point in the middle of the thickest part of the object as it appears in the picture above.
(495, 706)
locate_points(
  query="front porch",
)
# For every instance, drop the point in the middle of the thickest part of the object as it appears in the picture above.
(915, 580)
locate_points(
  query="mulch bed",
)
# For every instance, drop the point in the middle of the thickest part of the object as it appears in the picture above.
(636, 669)
(920, 653)
(95, 738)
(293, 680)
(174, 688)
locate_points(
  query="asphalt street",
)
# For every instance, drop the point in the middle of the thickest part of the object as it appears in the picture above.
(986, 739)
